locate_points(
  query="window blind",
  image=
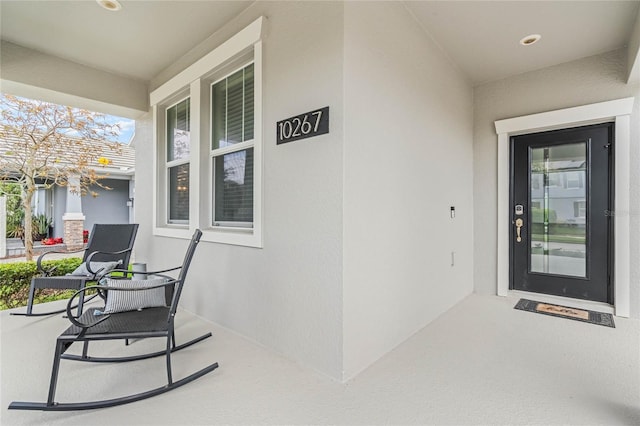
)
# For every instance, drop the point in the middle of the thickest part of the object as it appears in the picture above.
(178, 131)
(232, 108)
(179, 193)
(233, 186)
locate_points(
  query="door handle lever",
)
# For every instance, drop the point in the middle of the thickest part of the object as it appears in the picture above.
(519, 223)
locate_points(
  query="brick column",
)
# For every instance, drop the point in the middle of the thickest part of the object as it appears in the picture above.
(73, 227)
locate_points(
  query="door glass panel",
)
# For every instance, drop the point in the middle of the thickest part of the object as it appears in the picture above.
(558, 209)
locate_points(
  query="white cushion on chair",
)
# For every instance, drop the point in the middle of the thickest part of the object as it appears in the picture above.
(122, 301)
(95, 267)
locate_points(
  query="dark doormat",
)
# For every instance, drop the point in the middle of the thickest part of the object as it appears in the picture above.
(583, 315)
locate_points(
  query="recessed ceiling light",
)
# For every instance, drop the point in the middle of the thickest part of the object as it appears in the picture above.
(112, 5)
(530, 39)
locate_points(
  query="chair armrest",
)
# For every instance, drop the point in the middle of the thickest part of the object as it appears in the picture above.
(70, 306)
(46, 272)
(126, 274)
(160, 272)
(78, 323)
(90, 257)
(170, 280)
(145, 273)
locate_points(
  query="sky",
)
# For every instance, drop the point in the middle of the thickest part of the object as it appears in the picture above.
(127, 129)
(126, 125)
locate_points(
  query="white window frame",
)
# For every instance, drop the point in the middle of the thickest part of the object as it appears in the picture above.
(581, 208)
(174, 163)
(218, 152)
(195, 82)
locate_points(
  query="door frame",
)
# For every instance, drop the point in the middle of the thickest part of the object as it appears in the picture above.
(616, 111)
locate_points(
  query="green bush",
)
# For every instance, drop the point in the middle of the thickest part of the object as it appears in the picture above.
(15, 279)
(537, 214)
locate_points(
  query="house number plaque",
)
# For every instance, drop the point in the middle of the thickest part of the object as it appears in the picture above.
(309, 124)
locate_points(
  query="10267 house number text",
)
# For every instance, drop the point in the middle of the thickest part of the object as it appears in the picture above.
(312, 123)
(297, 127)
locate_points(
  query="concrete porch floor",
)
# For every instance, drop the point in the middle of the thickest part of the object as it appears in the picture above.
(482, 362)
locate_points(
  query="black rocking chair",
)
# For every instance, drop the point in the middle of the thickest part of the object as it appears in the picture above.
(107, 243)
(136, 324)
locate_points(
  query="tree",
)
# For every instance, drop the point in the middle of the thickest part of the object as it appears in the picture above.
(44, 143)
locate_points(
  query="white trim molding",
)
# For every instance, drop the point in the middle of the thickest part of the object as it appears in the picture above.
(194, 82)
(237, 44)
(616, 111)
(73, 216)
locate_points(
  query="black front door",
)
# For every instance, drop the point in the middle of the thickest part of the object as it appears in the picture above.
(561, 198)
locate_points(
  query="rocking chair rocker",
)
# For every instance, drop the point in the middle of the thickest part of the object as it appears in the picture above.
(113, 324)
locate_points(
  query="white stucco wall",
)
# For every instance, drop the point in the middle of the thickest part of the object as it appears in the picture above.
(288, 295)
(406, 156)
(35, 75)
(407, 159)
(633, 53)
(590, 80)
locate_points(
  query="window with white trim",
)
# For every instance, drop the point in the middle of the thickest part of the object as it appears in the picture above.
(232, 124)
(208, 150)
(177, 161)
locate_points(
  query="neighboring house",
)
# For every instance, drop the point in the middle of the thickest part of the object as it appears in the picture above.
(113, 205)
(566, 195)
(334, 249)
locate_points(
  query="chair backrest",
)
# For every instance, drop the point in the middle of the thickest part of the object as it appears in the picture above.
(111, 238)
(195, 239)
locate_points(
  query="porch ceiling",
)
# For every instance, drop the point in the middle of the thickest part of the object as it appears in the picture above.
(139, 41)
(483, 37)
(480, 37)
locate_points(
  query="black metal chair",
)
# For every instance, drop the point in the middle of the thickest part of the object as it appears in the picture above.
(107, 243)
(137, 324)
